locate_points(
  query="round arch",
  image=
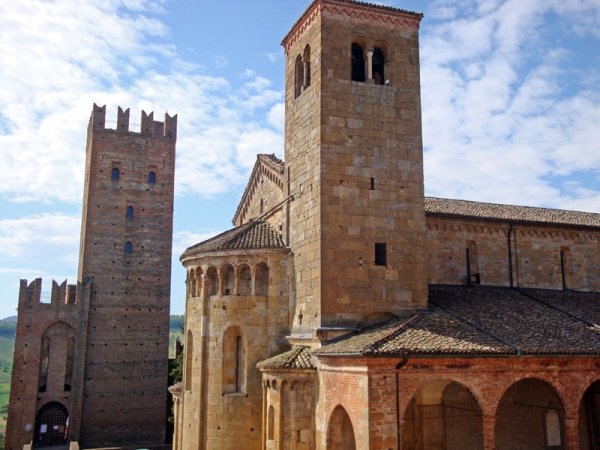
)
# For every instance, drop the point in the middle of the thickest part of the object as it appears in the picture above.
(589, 418)
(340, 433)
(51, 425)
(530, 414)
(445, 415)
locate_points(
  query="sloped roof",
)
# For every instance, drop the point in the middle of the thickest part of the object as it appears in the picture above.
(511, 213)
(298, 358)
(484, 321)
(256, 234)
(263, 160)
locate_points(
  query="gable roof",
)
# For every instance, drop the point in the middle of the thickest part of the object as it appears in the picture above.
(256, 234)
(485, 321)
(264, 163)
(509, 213)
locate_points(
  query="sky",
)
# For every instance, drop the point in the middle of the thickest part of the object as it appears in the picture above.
(510, 100)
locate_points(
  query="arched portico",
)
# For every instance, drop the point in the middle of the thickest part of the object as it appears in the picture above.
(530, 415)
(589, 418)
(444, 415)
(340, 433)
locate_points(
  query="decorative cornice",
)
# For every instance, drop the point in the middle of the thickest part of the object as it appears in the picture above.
(359, 11)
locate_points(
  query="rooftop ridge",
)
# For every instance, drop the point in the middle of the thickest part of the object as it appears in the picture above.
(510, 213)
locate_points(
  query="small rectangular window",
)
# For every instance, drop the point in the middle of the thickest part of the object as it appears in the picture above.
(380, 254)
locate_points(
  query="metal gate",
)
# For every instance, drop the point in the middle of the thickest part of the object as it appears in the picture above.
(51, 425)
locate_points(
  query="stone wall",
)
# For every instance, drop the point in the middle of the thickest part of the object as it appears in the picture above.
(64, 317)
(354, 155)
(222, 393)
(533, 258)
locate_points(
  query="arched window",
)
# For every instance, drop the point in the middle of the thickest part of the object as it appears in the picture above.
(128, 247)
(227, 279)
(271, 423)
(44, 361)
(299, 78)
(189, 354)
(115, 174)
(244, 280)
(306, 61)
(129, 212)
(472, 258)
(358, 63)
(69, 363)
(261, 279)
(552, 425)
(151, 177)
(234, 361)
(378, 66)
(211, 280)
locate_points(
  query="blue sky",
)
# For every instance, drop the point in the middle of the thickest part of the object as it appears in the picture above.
(510, 96)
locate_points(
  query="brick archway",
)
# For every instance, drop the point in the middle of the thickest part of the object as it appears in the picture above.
(589, 418)
(442, 414)
(340, 433)
(530, 414)
(51, 425)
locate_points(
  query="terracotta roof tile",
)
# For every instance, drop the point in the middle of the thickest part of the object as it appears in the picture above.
(480, 320)
(256, 234)
(298, 358)
(512, 213)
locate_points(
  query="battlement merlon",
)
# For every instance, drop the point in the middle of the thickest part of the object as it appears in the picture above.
(31, 294)
(149, 127)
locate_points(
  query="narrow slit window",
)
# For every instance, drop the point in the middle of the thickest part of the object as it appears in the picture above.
(115, 174)
(128, 247)
(151, 178)
(372, 183)
(381, 254)
(129, 212)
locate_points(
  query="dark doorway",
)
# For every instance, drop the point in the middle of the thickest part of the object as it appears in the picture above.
(51, 425)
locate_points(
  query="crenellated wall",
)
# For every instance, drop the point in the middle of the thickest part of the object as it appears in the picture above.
(48, 358)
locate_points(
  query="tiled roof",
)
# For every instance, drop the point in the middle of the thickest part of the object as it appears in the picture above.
(513, 213)
(295, 359)
(480, 320)
(256, 234)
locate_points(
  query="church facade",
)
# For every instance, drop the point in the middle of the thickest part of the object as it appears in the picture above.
(346, 310)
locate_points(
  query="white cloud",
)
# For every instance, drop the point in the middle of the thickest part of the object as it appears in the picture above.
(498, 122)
(60, 58)
(39, 237)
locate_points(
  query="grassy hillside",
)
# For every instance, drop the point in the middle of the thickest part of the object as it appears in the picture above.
(7, 344)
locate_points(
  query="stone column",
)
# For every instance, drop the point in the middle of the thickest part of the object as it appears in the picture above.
(370, 65)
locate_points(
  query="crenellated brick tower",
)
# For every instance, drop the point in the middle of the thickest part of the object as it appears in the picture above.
(91, 365)
(126, 236)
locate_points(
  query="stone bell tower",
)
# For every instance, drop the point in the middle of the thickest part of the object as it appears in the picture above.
(354, 165)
